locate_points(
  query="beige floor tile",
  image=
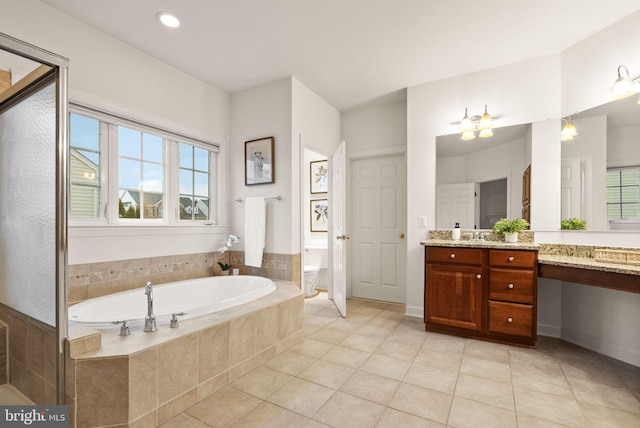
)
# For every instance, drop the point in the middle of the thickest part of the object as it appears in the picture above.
(481, 367)
(309, 329)
(315, 424)
(599, 373)
(348, 357)
(362, 343)
(344, 324)
(445, 343)
(469, 414)
(541, 382)
(374, 331)
(262, 382)
(400, 351)
(422, 402)
(311, 347)
(439, 359)
(330, 335)
(605, 395)
(554, 408)
(268, 415)
(327, 374)
(290, 362)
(528, 421)
(317, 320)
(409, 337)
(486, 391)
(606, 417)
(386, 366)
(224, 408)
(370, 387)
(343, 407)
(432, 378)
(487, 350)
(183, 420)
(329, 312)
(392, 418)
(301, 396)
(384, 321)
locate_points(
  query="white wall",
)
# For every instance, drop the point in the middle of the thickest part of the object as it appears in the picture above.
(620, 143)
(264, 111)
(376, 127)
(108, 74)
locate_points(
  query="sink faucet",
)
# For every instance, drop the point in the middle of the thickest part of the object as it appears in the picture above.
(150, 319)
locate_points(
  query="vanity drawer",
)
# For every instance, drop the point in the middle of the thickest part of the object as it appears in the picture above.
(468, 256)
(511, 318)
(513, 258)
(511, 285)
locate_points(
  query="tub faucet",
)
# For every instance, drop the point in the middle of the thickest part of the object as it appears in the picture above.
(150, 319)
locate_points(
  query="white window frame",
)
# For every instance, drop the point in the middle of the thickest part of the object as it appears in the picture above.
(109, 189)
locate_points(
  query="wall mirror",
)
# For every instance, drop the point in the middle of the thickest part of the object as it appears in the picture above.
(601, 167)
(482, 180)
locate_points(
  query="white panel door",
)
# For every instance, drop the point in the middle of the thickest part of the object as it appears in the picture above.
(571, 188)
(455, 203)
(378, 213)
(338, 236)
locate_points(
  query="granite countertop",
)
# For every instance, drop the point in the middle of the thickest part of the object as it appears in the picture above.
(479, 244)
(587, 263)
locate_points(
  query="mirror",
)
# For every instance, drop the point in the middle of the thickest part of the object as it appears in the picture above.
(601, 167)
(482, 180)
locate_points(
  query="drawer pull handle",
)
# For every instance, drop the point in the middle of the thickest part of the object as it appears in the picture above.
(478, 276)
(510, 286)
(453, 256)
(510, 258)
(509, 319)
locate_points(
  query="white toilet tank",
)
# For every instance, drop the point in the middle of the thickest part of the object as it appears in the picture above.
(317, 256)
(316, 260)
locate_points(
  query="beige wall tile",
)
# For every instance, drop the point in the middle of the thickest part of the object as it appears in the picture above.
(35, 387)
(183, 261)
(78, 274)
(159, 265)
(35, 349)
(18, 341)
(182, 274)
(104, 288)
(135, 268)
(266, 328)
(213, 352)
(177, 367)
(50, 356)
(106, 271)
(290, 317)
(78, 293)
(242, 338)
(150, 420)
(176, 406)
(19, 376)
(202, 272)
(266, 355)
(241, 369)
(4, 358)
(143, 382)
(50, 393)
(213, 385)
(102, 391)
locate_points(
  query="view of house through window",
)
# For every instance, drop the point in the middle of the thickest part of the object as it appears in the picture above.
(114, 161)
(623, 193)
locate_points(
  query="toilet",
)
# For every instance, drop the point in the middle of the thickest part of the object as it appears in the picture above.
(315, 260)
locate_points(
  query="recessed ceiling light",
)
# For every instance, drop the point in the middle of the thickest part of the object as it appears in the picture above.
(169, 19)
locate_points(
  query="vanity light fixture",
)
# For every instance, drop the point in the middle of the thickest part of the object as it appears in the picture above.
(483, 123)
(625, 85)
(568, 131)
(169, 19)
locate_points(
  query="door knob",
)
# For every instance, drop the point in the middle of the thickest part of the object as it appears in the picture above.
(402, 236)
(343, 237)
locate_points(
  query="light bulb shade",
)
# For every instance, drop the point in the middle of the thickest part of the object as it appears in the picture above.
(485, 120)
(466, 125)
(623, 87)
(468, 135)
(568, 132)
(486, 133)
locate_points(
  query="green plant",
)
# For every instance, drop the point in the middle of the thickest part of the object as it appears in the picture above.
(573, 224)
(224, 266)
(514, 225)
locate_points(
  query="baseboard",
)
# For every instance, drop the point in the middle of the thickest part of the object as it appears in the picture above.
(549, 330)
(601, 346)
(414, 311)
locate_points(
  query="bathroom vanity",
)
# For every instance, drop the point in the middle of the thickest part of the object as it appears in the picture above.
(485, 290)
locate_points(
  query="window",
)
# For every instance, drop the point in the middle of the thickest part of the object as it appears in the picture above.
(146, 172)
(84, 156)
(623, 193)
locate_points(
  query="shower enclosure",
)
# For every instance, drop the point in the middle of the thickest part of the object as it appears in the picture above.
(33, 239)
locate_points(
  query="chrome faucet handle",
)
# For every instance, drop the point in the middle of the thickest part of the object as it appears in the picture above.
(174, 319)
(124, 328)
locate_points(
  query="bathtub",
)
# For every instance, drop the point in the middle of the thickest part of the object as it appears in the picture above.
(196, 297)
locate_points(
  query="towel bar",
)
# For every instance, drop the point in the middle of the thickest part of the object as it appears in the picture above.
(278, 198)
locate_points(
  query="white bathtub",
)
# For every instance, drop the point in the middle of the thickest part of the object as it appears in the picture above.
(196, 297)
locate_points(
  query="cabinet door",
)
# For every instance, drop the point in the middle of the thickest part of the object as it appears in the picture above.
(453, 296)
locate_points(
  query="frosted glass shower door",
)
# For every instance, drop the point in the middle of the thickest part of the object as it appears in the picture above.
(28, 204)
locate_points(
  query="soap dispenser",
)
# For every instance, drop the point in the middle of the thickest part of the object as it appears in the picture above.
(455, 233)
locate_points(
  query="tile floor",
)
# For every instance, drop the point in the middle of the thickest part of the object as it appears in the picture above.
(377, 368)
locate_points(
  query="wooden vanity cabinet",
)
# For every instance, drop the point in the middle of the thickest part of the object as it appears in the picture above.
(482, 293)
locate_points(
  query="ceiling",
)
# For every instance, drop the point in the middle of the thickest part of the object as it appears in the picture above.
(350, 52)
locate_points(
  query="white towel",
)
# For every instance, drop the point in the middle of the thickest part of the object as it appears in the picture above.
(255, 216)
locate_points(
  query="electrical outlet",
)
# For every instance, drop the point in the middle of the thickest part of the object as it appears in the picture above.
(422, 221)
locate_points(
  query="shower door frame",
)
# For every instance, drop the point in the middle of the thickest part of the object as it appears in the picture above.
(61, 70)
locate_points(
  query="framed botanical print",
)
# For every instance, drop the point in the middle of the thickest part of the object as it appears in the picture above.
(258, 165)
(319, 215)
(319, 176)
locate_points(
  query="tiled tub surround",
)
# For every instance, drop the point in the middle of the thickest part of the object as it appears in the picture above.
(86, 281)
(28, 355)
(145, 379)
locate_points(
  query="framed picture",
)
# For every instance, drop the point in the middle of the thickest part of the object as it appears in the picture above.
(258, 165)
(319, 176)
(319, 215)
